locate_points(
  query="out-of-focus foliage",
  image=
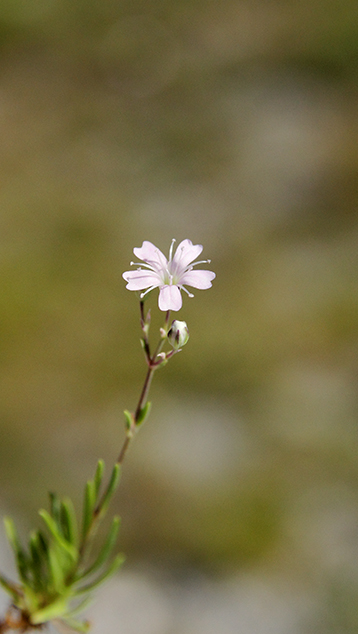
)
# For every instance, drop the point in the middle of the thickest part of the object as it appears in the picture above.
(56, 576)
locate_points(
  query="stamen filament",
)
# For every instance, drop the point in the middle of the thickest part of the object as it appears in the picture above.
(141, 264)
(200, 262)
(182, 288)
(151, 288)
(171, 249)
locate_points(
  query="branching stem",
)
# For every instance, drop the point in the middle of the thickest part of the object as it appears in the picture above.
(153, 364)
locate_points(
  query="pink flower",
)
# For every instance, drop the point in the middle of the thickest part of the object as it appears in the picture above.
(168, 275)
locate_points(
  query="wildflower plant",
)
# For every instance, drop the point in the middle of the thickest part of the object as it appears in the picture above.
(59, 570)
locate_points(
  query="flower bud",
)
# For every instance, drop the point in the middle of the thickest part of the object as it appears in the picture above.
(178, 334)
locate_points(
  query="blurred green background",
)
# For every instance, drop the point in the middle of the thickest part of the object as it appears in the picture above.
(234, 124)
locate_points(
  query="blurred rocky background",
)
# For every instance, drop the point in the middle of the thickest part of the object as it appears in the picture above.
(234, 124)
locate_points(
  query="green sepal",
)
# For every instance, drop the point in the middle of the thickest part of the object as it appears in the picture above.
(22, 560)
(78, 626)
(98, 476)
(69, 521)
(129, 422)
(113, 483)
(143, 414)
(106, 548)
(116, 563)
(64, 545)
(89, 505)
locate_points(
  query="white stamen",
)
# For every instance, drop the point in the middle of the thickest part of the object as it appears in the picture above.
(201, 262)
(171, 249)
(186, 290)
(147, 291)
(140, 264)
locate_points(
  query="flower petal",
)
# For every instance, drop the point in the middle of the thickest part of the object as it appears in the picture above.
(186, 253)
(198, 279)
(170, 298)
(141, 279)
(148, 252)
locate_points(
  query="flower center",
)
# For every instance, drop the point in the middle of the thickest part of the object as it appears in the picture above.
(168, 278)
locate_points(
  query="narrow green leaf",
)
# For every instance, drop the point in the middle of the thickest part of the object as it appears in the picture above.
(68, 548)
(39, 561)
(89, 505)
(69, 521)
(43, 546)
(22, 560)
(43, 541)
(34, 550)
(129, 421)
(143, 414)
(98, 476)
(33, 599)
(11, 588)
(118, 561)
(55, 509)
(106, 548)
(78, 626)
(113, 483)
(57, 571)
(82, 605)
(54, 610)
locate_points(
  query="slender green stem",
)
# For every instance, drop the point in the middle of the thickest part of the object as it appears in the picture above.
(141, 403)
(144, 322)
(144, 393)
(153, 364)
